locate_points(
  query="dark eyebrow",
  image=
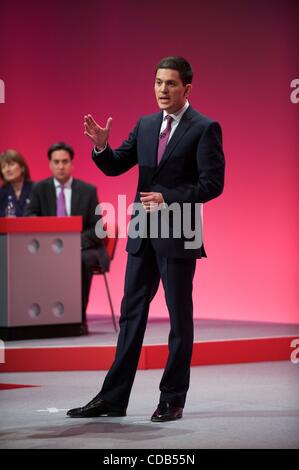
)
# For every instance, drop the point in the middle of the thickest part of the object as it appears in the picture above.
(166, 81)
(57, 160)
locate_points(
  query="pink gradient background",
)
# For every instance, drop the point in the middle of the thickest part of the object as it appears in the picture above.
(62, 59)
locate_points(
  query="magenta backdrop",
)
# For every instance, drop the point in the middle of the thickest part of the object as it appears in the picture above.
(62, 59)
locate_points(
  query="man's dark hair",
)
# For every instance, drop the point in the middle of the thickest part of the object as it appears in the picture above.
(180, 64)
(61, 146)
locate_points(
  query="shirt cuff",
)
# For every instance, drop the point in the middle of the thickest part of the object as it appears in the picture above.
(98, 151)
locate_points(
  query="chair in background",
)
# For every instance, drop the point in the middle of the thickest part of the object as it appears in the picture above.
(110, 242)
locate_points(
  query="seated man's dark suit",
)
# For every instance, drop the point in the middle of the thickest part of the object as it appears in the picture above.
(83, 202)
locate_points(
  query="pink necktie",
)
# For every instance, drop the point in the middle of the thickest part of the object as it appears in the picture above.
(164, 136)
(61, 207)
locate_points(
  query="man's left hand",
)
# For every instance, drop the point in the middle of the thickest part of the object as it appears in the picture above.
(151, 201)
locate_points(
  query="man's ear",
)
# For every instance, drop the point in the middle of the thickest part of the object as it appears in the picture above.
(188, 89)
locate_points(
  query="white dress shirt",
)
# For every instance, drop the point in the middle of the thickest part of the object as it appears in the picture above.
(175, 119)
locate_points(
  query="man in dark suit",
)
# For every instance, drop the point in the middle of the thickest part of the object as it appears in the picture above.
(63, 195)
(180, 158)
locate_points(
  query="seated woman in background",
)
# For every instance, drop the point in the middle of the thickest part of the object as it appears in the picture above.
(16, 184)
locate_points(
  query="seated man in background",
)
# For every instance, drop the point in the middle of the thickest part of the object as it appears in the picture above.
(63, 195)
(16, 184)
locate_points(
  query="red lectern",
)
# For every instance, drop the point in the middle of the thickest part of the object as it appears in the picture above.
(40, 277)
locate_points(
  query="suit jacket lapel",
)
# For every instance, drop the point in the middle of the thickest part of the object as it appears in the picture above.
(75, 197)
(183, 126)
(154, 133)
(52, 198)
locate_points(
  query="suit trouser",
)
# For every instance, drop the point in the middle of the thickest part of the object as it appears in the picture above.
(143, 273)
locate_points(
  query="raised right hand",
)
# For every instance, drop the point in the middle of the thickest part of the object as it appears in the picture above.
(98, 135)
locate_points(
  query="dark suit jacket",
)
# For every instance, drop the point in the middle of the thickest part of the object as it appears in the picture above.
(84, 201)
(19, 204)
(191, 170)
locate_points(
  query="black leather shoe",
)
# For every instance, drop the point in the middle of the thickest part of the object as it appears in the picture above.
(167, 412)
(96, 407)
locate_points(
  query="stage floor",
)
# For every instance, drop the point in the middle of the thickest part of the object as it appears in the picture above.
(102, 333)
(229, 406)
(215, 342)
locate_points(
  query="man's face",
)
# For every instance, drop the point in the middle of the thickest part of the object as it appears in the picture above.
(61, 165)
(171, 93)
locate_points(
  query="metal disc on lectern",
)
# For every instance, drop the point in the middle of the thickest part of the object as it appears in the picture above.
(57, 245)
(58, 309)
(34, 310)
(33, 246)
